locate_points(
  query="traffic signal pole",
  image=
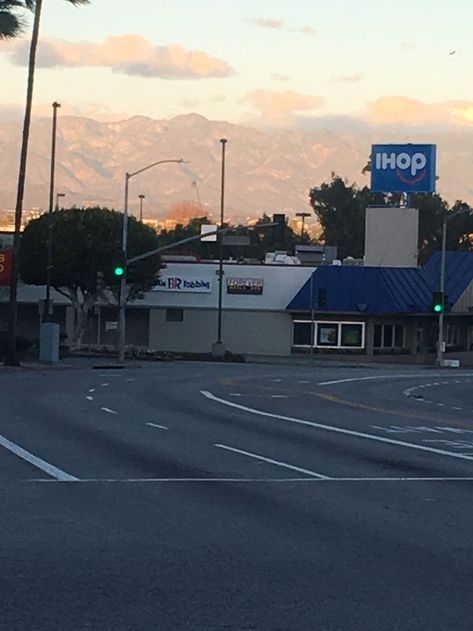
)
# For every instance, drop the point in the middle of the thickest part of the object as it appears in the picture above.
(122, 296)
(440, 342)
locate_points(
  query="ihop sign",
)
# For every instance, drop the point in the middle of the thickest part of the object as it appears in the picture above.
(403, 168)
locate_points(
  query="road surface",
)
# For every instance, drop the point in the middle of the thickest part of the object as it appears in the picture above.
(187, 496)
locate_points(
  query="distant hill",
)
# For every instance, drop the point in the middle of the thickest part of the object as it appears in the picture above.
(267, 171)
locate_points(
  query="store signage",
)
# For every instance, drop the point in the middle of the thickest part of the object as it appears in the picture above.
(5, 267)
(248, 286)
(183, 284)
(403, 168)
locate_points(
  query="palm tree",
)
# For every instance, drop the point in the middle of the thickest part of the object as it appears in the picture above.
(11, 25)
(8, 15)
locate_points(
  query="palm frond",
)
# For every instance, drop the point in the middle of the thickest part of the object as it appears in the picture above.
(10, 24)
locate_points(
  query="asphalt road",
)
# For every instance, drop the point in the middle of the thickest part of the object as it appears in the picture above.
(186, 496)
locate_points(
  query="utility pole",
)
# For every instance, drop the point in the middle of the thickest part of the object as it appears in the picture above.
(49, 267)
(219, 349)
(141, 198)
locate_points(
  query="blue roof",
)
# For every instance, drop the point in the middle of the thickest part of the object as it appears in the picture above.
(373, 290)
(458, 272)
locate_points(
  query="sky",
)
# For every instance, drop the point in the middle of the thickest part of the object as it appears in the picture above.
(280, 63)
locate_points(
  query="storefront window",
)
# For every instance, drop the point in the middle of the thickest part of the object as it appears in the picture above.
(352, 335)
(301, 335)
(327, 334)
(388, 335)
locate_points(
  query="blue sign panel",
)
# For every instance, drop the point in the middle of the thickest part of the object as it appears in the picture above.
(403, 168)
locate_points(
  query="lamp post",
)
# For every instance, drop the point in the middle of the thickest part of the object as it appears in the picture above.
(303, 215)
(58, 195)
(218, 349)
(441, 337)
(141, 198)
(122, 294)
(49, 265)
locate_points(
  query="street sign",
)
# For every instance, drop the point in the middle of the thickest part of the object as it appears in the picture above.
(205, 229)
(403, 168)
(5, 267)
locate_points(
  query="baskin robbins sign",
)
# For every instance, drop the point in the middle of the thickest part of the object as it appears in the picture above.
(183, 284)
(403, 168)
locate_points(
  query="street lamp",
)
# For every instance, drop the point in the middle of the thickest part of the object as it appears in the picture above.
(49, 264)
(58, 195)
(303, 215)
(218, 349)
(122, 297)
(445, 219)
(141, 198)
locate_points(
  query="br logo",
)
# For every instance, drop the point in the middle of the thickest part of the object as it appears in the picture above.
(410, 169)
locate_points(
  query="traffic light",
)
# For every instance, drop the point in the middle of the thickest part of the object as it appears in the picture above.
(279, 230)
(438, 302)
(120, 265)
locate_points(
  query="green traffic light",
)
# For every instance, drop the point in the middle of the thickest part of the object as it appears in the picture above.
(438, 308)
(119, 270)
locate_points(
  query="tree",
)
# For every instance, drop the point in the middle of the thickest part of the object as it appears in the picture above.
(340, 208)
(86, 246)
(11, 358)
(11, 25)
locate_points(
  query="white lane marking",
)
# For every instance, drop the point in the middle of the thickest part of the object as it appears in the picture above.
(254, 480)
(277, 380)
(379, 377)
(104, 385)
(109, 410)
(91, 389)
(156, 425)
(130, 380)
(441, 405)
(39, 463)
(89, 398)
(332, 428)
(271, 461)
(456, 408)
(235, 394)
(304, 381)
(279, 396)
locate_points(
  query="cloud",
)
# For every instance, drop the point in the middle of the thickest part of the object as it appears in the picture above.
(408, 45)
(305, 30)
(356, 77)
(409, 111)
(280, 77)
(126, 54)
(270, 102)
(267, 22)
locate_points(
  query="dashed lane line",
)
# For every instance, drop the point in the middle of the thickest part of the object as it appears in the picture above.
(157, 426)
(108, 410)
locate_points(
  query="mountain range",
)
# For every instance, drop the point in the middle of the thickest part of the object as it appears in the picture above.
(266, 170)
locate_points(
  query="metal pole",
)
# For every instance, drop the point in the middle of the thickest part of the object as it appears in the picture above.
(220, 247)
(442, 289)
(312, 313)
(49, 264)
(58, 195)
(122, 296)
(141, 198)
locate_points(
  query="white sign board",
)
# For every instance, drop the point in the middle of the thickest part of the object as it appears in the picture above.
(183, 284)
(205, 229)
